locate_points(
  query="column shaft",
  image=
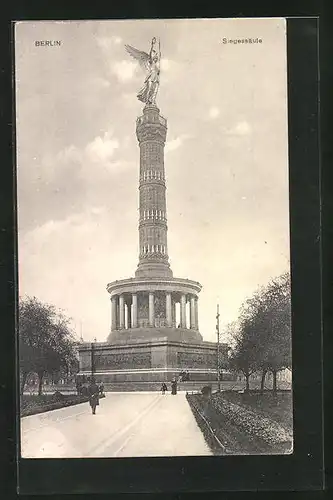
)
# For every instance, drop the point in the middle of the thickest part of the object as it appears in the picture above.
(183, 311)
(121, 312)
(168, 309)
(174, 314)
(135, 310)
(113, 313)
(192, 313)
(117, 313)
(129, 315)
(151, 309)
(196, 314)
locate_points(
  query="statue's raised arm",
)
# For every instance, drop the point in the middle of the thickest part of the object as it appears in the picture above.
(151, 64)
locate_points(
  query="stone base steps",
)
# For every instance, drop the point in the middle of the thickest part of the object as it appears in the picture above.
(155, 386)
(191, 386)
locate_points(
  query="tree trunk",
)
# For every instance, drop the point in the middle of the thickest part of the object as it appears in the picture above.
(262, 384)
(40, 383)
(274, 372)
(247, 379)
(24, 378)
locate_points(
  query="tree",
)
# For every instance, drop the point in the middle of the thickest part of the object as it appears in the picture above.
(46, 343)
(265, 320)
(243, 357)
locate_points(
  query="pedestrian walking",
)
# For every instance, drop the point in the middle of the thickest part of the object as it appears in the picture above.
(93, 393)
(164, 388)
(174, 387)
(78, 388)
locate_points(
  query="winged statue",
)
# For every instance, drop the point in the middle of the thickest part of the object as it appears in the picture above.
(151, 64)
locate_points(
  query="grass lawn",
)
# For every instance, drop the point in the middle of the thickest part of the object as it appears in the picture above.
(278, 407)
(33, 404)
(251, 423)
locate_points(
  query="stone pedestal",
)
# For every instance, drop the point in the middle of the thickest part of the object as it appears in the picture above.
(151, 361)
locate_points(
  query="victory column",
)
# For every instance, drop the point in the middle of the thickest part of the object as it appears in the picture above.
(145, 343)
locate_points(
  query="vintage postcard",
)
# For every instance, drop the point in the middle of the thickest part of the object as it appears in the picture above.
(153, 238)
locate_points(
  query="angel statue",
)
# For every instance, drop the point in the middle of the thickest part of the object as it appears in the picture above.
(151, 64)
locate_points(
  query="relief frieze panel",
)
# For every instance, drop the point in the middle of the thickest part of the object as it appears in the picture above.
(114, 361)
(196, 360)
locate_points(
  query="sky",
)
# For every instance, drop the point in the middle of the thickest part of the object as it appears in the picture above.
(226, 160)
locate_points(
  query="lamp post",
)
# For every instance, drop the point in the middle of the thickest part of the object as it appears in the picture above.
(92, 360)
(218, 348)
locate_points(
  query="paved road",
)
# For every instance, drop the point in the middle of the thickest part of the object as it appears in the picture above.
(125, 425)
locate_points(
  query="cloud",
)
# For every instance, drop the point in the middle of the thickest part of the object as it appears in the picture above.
(126, 141)
(176, 143)
(128, 98)
(242, 128)
(99, 83)
(76, 176)
(106, 43)
(214, 112)
(170, 71)
(69, 154)
(124, 70)
(97, 210)
(166, 64)
(101, 149)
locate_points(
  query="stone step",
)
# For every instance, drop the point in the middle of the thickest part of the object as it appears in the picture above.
(155, 386)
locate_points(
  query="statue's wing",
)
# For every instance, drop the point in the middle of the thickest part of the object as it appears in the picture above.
(140, 56)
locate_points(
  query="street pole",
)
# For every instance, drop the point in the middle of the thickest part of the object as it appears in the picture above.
(92, 361)
(218, 348)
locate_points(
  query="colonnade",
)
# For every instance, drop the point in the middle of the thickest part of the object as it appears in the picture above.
(129, 302)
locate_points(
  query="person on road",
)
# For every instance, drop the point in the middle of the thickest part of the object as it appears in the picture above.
(78, 387)
(164, 388)
(93, 393)
(174, 386)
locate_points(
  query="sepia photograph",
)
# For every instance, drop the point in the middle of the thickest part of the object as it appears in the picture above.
(154, 309)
